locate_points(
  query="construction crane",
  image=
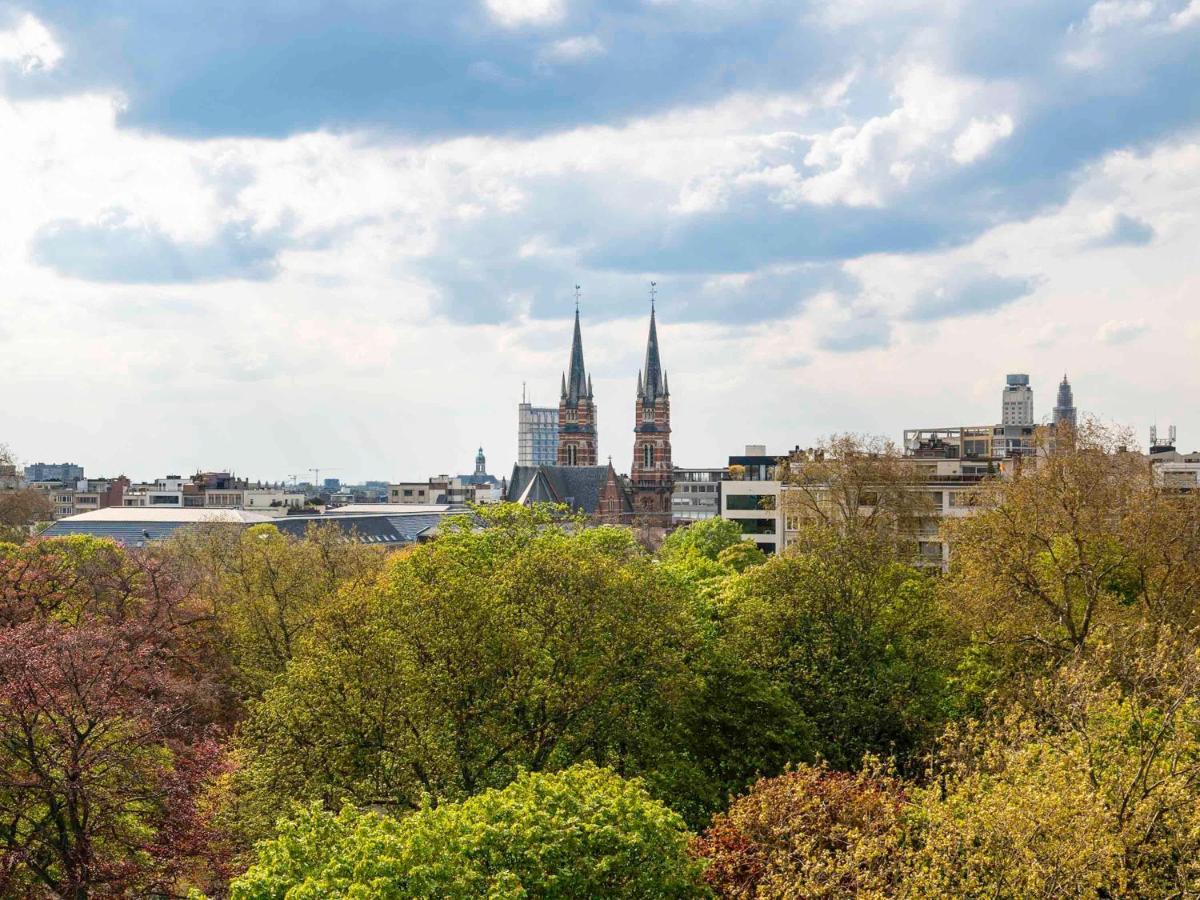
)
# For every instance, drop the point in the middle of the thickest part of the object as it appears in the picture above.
(294, 477)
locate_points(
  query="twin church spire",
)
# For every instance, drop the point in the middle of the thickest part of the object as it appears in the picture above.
(652, 475)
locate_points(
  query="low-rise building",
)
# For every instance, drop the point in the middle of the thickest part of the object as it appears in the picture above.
(696, 494)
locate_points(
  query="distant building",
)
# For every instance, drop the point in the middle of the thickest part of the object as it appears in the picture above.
(537, 435)
(750, 496)
(64, 472)
(1016, 407)
(695, 495)
(1064, 407)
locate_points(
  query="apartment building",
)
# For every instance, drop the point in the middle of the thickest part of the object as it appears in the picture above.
(696, 494)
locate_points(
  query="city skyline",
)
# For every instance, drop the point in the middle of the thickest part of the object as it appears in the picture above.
(349, 245)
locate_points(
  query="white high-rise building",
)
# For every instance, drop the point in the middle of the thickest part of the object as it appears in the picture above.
(1017, 401)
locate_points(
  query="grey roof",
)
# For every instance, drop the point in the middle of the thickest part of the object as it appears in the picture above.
(654, 383)
(576, 383)
(579, 487)
(129, 532)
(368, 529)
(395, 529)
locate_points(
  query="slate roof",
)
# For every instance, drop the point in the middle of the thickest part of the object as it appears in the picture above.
(654, 383)
(580, 487)
(134, 526)
(576, 384)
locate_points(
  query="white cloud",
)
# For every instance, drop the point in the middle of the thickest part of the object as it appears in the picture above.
(1189, 15)
(518, 13)
(30, 45)
(861, 165)
(1107, 14)
(980, 136)
(1120, 331)
(573, 49)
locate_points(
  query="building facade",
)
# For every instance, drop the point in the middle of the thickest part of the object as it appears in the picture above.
(1016, 403)
(577, 410)
(537, 435)
(64, 472)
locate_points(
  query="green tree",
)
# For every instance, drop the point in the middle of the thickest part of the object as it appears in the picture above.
(265, 588)
(852, 637)
(1088, 786)
(581, 833)
(708, 537)
(523, 645)
(1082, 540)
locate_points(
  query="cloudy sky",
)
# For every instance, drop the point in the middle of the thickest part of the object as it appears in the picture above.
(274, 235)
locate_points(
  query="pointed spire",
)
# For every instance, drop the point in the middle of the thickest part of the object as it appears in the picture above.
(655, 385)
(564, 384)
(576, 385)
(641, 392)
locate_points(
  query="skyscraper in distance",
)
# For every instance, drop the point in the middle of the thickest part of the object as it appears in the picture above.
(1064, 407)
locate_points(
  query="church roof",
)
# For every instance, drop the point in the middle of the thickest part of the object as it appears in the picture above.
(579, 487)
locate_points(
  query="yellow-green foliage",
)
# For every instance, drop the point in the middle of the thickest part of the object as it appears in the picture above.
(581, 833)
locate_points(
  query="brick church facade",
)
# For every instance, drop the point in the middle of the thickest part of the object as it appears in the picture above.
(579, 480)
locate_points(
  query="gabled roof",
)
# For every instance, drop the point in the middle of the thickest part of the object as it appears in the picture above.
(579, 487)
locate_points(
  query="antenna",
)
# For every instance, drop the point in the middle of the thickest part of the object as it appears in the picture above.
(577, 291)
(653, 293)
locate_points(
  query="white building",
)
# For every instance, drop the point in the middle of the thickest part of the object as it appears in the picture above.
(1016, 406)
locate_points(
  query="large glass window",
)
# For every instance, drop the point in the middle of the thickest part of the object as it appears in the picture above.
(750, 501)
(757, 526)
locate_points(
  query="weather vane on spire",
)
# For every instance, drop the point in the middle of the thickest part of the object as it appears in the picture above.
(577, 289)
(653, 292)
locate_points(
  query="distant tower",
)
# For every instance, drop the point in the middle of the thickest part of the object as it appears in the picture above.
(652, 473)
(576, 408)
(480, 463)
(1016, 406)
(1064, 409)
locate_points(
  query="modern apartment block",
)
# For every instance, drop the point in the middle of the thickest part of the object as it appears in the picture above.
(696, 494)
(751, 496)
(67, 473)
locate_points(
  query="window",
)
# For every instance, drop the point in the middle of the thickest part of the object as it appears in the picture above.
(647, 456)
(572, 455)
(749, 501)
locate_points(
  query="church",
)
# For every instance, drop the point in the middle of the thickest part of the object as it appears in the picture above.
(578, 479)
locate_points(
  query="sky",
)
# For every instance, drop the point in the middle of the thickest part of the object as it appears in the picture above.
(274, 236)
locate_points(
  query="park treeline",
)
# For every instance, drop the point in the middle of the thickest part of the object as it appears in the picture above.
(526, 707)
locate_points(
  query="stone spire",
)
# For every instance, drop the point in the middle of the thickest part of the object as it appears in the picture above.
(576, 384)
(654, 385)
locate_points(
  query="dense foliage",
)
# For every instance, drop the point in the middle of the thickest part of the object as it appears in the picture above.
(581, 833)
(529, 706)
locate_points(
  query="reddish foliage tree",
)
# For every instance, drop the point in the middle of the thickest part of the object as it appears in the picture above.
(807, 833)
(109, 710)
